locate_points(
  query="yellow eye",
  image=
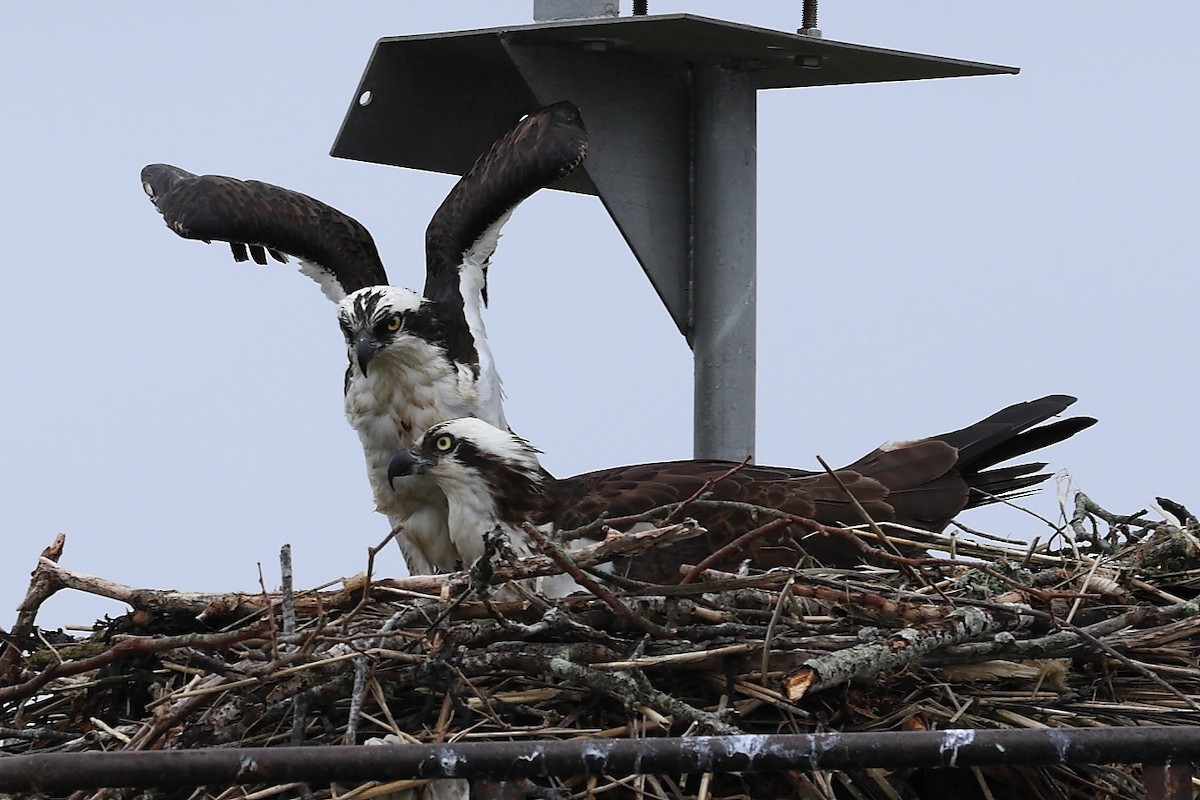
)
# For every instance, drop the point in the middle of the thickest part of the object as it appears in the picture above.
(393, 324)
(444, 443)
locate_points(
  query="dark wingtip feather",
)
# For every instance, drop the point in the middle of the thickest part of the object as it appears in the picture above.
(239, 251)
(1009, 483)
(159, 179)
(1032, 440)
(1002, 434)
(1020, 435)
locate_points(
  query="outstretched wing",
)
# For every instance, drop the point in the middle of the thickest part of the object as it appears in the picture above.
(543, 147)
(258, 219)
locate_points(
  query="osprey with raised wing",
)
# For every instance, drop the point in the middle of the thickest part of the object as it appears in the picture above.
(413, 359)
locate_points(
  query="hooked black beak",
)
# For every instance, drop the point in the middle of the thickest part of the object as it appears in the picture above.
(404, 463)
(365, 348)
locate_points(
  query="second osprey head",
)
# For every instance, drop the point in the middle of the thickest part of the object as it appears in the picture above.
(466, 455)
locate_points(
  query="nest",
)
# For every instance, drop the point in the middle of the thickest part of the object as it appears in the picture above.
(1094, 627)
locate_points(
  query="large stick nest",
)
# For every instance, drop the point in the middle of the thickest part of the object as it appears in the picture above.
(1094, 627)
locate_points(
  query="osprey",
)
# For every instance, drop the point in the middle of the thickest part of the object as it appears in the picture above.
(493, 478)
(413, 359)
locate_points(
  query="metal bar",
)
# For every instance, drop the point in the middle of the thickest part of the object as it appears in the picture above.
(1168, 781)
(58, 772)
(724, 281)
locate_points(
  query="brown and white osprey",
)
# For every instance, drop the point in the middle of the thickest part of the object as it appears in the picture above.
(493, 478)
(413, 359)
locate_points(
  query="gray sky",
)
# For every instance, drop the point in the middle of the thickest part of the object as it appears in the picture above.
(928, 252)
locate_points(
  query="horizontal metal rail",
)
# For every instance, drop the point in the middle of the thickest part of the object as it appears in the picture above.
(57, 772)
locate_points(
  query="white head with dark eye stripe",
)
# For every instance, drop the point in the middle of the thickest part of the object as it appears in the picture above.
(458, 448)
(398, 322)
(490, 477)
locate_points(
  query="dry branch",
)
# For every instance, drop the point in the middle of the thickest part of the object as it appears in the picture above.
(900, 649)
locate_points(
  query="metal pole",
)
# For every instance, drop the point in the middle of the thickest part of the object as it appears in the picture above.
(508, 761)
(724, 283)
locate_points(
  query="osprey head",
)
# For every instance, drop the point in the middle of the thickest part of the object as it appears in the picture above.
(391, 319)
(469, 450)
(491, 479)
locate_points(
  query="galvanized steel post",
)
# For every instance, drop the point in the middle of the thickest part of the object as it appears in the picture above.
(724, 282)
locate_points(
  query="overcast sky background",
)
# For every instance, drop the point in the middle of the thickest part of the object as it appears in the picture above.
(928, 252)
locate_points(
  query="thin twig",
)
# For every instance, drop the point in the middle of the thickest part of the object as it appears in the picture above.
(551, 549)
(735, 546)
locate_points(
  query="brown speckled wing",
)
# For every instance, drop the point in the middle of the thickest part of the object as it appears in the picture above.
(258, 218)
(637, 489)
(541, 148)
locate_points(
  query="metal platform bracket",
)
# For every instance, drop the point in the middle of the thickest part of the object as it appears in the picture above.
(670, 106)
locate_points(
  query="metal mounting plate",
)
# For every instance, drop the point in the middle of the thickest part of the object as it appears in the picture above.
(437, 99)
